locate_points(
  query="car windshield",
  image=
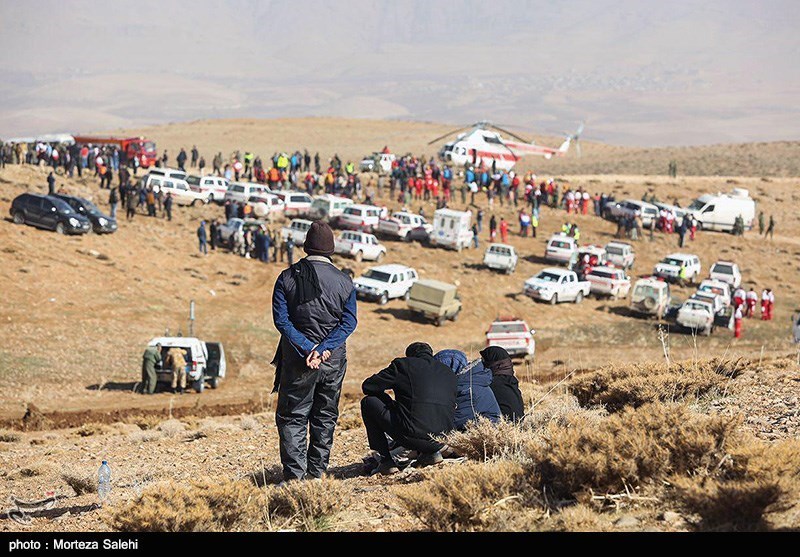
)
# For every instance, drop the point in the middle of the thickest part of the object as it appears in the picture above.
(560, 244)
(61, 205)
(722, 269)
(696, 205)
(645, 291)
(508, 328)
(377, 275)
(611, 250)
(90, 207)
(672, 261)
(149, 147)
(548, 277)
(193, 180)
(712, 289)
(696, 306)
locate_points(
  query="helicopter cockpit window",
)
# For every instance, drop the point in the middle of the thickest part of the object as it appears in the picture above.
(492, 139)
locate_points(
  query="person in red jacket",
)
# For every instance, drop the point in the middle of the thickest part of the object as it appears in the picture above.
(737, 322)
(504, 230)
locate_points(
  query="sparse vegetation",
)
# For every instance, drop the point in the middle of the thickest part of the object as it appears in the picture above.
(93, 428)
(81, 483)
(9, 437)
(171, 428)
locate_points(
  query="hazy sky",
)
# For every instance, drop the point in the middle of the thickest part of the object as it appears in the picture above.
(639, 71)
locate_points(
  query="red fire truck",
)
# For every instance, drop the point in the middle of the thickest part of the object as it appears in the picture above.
(140, 148)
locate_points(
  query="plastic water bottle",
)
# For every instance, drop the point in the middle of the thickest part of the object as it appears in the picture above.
(103, 482)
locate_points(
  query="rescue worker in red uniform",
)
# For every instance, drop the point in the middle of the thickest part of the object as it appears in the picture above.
(737, 323)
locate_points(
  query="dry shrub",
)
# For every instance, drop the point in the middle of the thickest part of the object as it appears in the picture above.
(81, 483)
(618, 387)
(306, 505)
(34, 470)
(465, 498)
(171, 428)
(248, 423)
(755, 488)
(483, 440)
(146, 436)
(94, 428)
(631, 448)
(9, 437)
(146, 421)
(197, 506)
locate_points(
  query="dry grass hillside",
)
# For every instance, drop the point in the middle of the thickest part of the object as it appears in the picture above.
(76, 313)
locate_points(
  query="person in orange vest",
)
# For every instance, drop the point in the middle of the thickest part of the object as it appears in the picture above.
(504, 230)
(737, 322)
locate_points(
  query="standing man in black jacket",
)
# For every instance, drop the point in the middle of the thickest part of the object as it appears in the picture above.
(423, 407)
(314, 309)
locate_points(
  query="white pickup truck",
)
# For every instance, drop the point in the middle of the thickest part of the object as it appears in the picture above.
(297, 230)
(360, 245)
(501, 257)
(557, 285)
(401, 223)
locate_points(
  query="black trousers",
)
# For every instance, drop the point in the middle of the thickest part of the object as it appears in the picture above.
(380, 419)
(308, 408)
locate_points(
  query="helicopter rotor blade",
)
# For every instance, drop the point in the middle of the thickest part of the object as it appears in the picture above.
(512, 134)
(448, 134)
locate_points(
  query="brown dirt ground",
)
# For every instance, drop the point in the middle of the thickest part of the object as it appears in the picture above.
(73, 326)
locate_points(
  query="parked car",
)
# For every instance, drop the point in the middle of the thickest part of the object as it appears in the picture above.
(726, 271)
(360, 217)
(629, 208)
(434, 300)
(719, 212)
(697, 315)
(501, 257)
(609, 281)
(360, 245)
(512, 334)
(717, 288)
(620, 254)
(377, 162)
(561, 249)
(167, 172)
(650, 297)
(101, 223)
(669, 268)
(328, 207)
(297, 230)
(241, 192)
(213, 187)
(296, 203)
(266, 205)
(554, 285)
(229, 230)
(48, 212)
(385, 282)
(205, 361)
(451, 229)
(401, 223)
(176, 187)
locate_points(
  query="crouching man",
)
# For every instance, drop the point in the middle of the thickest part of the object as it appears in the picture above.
(423, 407)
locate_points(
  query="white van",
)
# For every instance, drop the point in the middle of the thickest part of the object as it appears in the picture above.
(296, 203)
(561, 249)
(719, 212)
(205, 361)
(181, 193)
(452, 229)
(328, 206)
(214, 187)
(360, 217)
(241, 192)
(167, 172)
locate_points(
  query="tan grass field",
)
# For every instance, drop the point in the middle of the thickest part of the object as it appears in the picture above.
(74, 326)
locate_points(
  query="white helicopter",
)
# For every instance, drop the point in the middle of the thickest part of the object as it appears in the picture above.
(481, 145)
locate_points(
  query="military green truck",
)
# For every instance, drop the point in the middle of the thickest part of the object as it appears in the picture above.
(434, 300)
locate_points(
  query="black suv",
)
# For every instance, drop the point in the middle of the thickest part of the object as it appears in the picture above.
(50, 212)
(101, 223)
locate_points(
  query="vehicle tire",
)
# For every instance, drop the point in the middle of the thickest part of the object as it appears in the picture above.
(19, 217)
(60, 228)
(510, 271)
(380, 257)
(214, 382)
(199, 385)
(708, 330)
(455, 316)
(438, 321)
(359, 256)
(579, 297)
(384, 299)
(407, 295)
(407, 238)
(554, 300)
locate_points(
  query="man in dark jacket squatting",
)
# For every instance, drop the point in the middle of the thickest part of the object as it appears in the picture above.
(504, 385)
(314, 309)
(423, 407)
